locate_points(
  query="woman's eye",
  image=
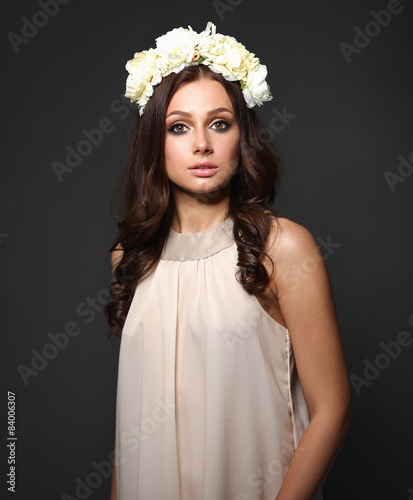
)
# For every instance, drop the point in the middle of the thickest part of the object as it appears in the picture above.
(220, 125)
(177, 128)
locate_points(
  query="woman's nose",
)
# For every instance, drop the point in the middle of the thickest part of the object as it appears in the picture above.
(202, 144)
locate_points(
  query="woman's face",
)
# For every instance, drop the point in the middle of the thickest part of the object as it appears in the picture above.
(202, 138)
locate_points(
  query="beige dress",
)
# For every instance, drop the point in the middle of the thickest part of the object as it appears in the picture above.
(209, 406)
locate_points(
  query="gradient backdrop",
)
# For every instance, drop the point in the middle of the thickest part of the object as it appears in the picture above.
(341, 75)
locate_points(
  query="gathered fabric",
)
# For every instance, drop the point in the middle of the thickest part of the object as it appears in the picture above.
(209, 405)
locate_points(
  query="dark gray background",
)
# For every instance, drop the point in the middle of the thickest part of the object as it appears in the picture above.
(352, 121)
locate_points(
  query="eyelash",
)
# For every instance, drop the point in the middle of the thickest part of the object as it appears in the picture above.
(227, 124)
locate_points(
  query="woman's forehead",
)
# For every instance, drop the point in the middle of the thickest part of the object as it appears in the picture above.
(204, 94)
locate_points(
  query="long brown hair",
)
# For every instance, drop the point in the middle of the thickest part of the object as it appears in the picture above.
(148, 204)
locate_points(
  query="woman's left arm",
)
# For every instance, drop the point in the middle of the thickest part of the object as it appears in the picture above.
(306, 302)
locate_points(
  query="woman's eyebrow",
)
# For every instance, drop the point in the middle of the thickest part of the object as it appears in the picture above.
(212, 112)
(177, 112)
(218, 110)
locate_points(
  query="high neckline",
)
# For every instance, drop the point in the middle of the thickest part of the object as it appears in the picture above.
(199, 245)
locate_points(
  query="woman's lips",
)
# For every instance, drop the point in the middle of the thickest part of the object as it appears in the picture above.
(204, 169)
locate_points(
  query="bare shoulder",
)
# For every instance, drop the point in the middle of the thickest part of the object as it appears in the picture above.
(295, 264)
(298, 262)
(289, 241)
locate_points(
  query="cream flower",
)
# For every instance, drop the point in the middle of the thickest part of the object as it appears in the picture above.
(162, 68)
(138, 84)
(210, 29)
(177, 47)
(228, 57)
(183, 47)
(256, 90)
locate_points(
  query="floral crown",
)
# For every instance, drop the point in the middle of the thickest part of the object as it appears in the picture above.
(182, 47)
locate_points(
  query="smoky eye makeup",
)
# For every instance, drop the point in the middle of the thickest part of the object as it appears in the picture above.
(221, 125)
(177, 128)
(218, 125)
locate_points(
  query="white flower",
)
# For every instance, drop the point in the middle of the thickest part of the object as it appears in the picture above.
(138, 84)
(228, 57)
(256, 90)
(183, 47)
(210, 29)
(162, 68)
(177, 47)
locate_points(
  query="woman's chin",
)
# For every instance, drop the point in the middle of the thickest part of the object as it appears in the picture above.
(204, 192)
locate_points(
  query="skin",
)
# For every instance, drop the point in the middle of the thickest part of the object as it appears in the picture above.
(304, 303)
(299, 295)
(201, 127)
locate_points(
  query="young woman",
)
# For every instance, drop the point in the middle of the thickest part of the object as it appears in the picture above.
(232, 380)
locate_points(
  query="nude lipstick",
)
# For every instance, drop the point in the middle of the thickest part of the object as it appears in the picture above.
(203, 169)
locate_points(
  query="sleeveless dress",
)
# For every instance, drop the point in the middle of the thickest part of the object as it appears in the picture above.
(209, 406)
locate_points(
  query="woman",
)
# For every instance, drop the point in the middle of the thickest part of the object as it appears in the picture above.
(232, 380)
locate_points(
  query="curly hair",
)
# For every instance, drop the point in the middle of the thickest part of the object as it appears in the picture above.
(148, 204)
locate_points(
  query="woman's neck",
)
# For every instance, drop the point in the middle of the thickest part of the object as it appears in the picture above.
(198, 212)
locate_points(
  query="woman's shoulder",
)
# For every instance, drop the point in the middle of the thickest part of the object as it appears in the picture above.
(289, 240)
(298, 263)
